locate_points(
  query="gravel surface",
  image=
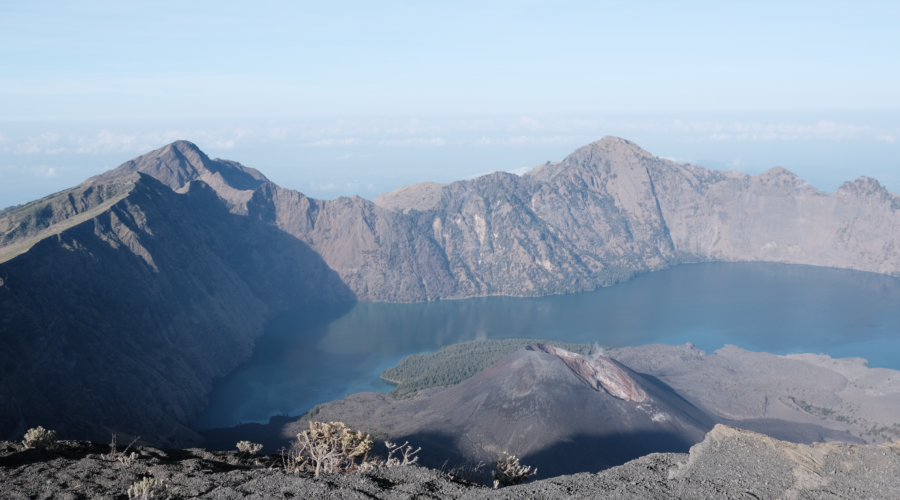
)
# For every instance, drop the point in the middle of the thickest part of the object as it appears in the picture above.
(729, 463)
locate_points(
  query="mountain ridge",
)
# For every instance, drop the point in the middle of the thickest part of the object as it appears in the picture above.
(179, 163)
(608, 211)
(121, 323)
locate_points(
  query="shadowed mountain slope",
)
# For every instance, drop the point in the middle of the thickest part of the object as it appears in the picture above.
(122, 322)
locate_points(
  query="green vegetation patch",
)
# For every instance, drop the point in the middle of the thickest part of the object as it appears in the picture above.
(454, 363)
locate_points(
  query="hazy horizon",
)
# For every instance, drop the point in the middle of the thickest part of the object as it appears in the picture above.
(355, 98)
(327, 158)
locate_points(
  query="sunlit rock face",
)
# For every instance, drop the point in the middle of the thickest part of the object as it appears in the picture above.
(599, 372)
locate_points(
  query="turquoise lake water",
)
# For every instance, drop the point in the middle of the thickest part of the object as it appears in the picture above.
(315, 355)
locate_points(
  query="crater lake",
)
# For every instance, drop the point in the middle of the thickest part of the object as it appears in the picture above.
(314, 355)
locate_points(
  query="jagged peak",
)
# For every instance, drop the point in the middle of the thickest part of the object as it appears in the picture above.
(181, 162)
(785, 179)
(863, 186)
(610, 140)
(778, 171)
(611, 144)
(174, 164)
(610, 150)
(182, 144)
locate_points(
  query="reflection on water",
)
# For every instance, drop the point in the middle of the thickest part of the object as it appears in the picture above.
(311, 356)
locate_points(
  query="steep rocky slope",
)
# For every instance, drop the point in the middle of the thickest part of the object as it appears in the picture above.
(729, 463)
(22, 227)
(175, 165)
(121, 323)
(611, 209)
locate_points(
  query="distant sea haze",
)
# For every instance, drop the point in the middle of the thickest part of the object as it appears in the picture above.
(329, 157)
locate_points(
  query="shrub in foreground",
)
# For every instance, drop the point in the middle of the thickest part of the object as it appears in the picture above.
(145, 489)
(333, 447)
(404, 450)
(39, 438)
(509, 472)
(248, 447)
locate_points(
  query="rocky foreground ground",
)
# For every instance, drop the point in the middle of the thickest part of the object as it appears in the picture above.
(729, 463)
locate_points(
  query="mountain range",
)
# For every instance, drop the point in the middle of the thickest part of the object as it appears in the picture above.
(123, 299)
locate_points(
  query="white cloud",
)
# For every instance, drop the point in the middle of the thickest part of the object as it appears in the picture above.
(46, 172)
(826, 130)
(106, 141)
(529, 123)
(523, 140)
(223, 144)
(329, 186)
(277, 132)
(347, 141)
(44, 143)
(434, 141)
(521, 131)
(520, 171)
(349, 156)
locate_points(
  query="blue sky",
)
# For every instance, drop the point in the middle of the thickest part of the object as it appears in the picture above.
(363, 97)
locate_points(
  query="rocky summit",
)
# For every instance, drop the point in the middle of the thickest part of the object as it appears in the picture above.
(728, 463)
(123, 299)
